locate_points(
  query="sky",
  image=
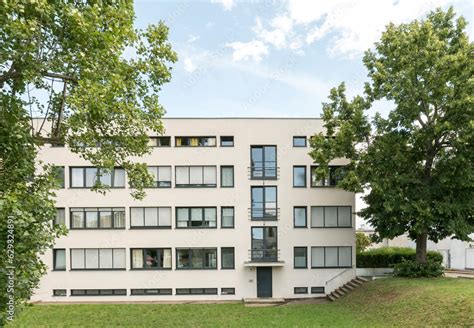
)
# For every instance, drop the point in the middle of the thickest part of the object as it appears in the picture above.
(273, 58)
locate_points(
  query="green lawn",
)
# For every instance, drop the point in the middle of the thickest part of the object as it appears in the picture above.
(384, 302)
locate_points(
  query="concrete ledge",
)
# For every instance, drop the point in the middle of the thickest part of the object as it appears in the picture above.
(374, 272)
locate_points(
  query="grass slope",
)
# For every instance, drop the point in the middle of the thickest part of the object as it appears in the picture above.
(385, 302)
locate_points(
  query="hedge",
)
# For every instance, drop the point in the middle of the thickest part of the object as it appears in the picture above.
(387, 257)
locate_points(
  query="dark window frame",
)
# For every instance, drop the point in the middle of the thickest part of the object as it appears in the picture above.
(233, 217)
(200, 138)
(233, 258)
(55, 222)
(227, 291)
(99, 292)
(305, 176)
(160, 250)
(306, 257)
(332, 179)
(156, 138)
(194, 185)
(55, 250)
(133, 227)
(196, 291)
(59, 292)
(190, 249)
(300, 290)
(84, 221)
(233, 175)
(264, 207)
(330, 267)
(337, 214)
(223, 141)
(265, 233)
(305, 217)
(157, 182)
(112, 177)
(264, 166)
(300, 137)
(189, 208)
(317, 290)
(147, 291)
(98, 260)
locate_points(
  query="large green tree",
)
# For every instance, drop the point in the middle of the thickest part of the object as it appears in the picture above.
(93, 80)
(415, 165)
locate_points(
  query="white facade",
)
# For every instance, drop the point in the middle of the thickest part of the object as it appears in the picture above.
(246, 132)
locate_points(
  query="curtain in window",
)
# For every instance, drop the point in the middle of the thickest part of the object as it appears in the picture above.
(194, 142)
(151, 216)
(119, 219)
(136, 217)
(167, 258)
(165, 216)
(227, 176)
(77, 258)
(106, 219)
(60, 259)
(137, 258)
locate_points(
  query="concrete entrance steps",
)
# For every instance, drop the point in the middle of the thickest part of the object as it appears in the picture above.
(347, 288)
(261, 302)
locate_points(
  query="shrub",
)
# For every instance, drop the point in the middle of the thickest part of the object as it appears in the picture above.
(387, 257)
(411, 269)
(362, 242)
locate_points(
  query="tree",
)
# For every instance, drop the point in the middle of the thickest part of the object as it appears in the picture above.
(416, 165)
(362, 242)
(93, 81)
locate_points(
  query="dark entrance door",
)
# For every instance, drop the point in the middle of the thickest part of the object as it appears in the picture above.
(264, 282)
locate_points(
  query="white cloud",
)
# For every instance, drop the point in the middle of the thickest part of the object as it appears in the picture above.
(227, 4)
(193, 38)
(189, 65)
(254, 49)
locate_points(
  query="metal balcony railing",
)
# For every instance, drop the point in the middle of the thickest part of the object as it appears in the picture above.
(264, 214)
(264, 255)
(263, 172)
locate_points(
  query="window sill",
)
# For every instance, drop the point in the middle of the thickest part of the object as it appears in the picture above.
(59, 270)
(191, 228)
(151, 228)
(332, 227)
(196, 269)
(112, 269)
(150, 269)
(195, 186)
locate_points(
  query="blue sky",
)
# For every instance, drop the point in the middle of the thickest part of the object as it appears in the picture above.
(269, 58)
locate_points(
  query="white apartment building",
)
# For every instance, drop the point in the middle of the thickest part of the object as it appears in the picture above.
(236, 213)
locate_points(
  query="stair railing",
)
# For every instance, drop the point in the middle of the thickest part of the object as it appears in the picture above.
(326, 289)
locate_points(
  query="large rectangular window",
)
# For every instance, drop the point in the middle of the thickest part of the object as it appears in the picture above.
(330, 180)
(227, 258)
(264, 203)
(227, 217)
(299, 176)
(299, 216)
(97, 218)
(300, 257)
(160, 141)
(264, 244)
(150, 217)
(60, 218)
(97, 258)
(150, 258)
(59, 259)
(195, 141)
(196, 258)
(196, 176)
(88, 177)
(196, 217)
(227, 176)
(263, 162)
(331, 257)
(331, 216)
(161, 176)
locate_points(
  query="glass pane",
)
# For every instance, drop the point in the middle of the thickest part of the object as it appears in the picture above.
(182, 217)
(210, 175)
(299, 141)
(106, 219)
(153, 170)
(106, 178)
(257, 238)
(227, 177)
(344, 216)
(137, 258)
(77, 177)
(91, 176)
(300, 257)
(60, 216)
(300, 216)
(210, 258)
(60, 259)
(330, 256)
(166, 258)
(77, 220)
(227, 257)
(119, 258)
(136, 216)
(299, 176)
(119, 178)
(151, 217)
(182, 175)
(196, 217)
(164, 216)
(227, 217)
(317, 257)
(196, 175)
(119, 219)
(270, 154)
(91, 220)
(183, 258)
(151, 258)
(210, 216)
(317, 216)
(77, 258)
(315, 182)
(330, 216)
(92, 258)
(164, 173)
(270, 194)
(345, 256)
(105, 258)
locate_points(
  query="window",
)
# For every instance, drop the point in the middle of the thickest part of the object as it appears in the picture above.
(317, 290)
(58, 172)
(60, 218)
(227, 141)
(299, 216)
(161, 176)
(196, 291)
(196, 217)
(227, 258)
(227, 217)
(299, 141)
(59, 259)
(151, 291)
(264, 244)
(299, 176)
(97, 258)
(301, 290)
(227, 176)
(196, 258)
(151, 258)
(328, 181)
(59, 292)
(331, 257)
(195, 141)
(300, 258)
(88, 177)
(196, 176)
(331, 216)
(227, 291)
(160, 141)
(263, 162)
(97, 218)
(150, 217)
(98, 292)
(264, 203)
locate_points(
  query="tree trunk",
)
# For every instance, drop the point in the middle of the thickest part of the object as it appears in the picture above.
(421, 241)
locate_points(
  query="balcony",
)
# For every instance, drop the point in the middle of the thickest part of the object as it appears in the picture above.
(259, 172)
(264, 257)
(264, 214)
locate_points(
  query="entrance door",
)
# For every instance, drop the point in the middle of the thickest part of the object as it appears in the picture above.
(264, 282)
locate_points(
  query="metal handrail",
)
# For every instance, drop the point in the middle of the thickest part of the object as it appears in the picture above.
(262, 172)
(259, 214)
(268, 255)
(336, 276)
